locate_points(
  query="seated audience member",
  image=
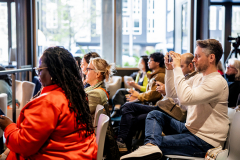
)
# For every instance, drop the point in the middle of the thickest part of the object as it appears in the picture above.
(205, 96)
(220, 68)
(57, 124)
(139, 85)
(156, 64)
(84, 63)
(232, 77)
(5, 87)
(99, 71)
(134, 114)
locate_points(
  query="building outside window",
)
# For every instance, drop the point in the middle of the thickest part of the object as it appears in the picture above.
(147, 26)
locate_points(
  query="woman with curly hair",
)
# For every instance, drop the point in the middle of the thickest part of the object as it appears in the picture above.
(57, 123)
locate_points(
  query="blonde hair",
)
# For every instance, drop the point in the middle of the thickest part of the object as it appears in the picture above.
(236, 64)
(101, 65)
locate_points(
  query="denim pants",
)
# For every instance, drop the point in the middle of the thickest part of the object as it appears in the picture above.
(178, 140)
(133, 118)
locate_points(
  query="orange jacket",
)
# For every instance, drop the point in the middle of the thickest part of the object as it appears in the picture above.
(46, 129)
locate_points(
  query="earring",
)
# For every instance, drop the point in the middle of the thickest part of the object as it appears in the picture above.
(51, 78)
(97, 80)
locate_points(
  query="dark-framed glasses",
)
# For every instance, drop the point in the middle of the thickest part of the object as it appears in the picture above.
(38, 70)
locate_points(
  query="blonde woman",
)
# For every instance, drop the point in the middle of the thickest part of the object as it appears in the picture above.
(232, 76)
(99, 72)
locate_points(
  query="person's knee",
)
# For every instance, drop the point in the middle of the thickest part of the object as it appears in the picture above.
(155, 113)
(126, 108)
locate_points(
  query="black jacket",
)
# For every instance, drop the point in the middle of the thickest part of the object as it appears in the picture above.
(234, 90)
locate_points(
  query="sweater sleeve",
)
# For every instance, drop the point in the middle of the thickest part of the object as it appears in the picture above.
(207, 92)
(40, 121)
(170, 89)
(145, 83)
(152, 95)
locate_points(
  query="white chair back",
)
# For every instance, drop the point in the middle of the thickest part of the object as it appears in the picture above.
(234, 138)
(114, 84)
(19, 91)
(27, 92)
(99, 110)
(24, 92)
(3, 107)
(126, 79)
(101, 134)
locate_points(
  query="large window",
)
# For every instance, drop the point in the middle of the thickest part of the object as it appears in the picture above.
(8, 33)
(235, 21)
(216, 25)
(147, 26)
(3, 32)
(82, 26)
(74, 24)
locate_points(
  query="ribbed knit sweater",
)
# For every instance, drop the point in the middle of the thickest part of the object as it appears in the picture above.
(206, 98)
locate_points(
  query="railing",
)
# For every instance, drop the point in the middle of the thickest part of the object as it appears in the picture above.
(13, 72)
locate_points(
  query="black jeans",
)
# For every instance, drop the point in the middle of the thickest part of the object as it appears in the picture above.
(133, 119)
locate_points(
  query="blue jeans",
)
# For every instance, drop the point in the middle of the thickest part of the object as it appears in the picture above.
(178, 140)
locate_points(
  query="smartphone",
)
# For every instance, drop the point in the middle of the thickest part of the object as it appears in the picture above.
(169, 58)
(1, 112)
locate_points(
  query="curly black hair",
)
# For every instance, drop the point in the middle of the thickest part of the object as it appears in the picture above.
(65, 73)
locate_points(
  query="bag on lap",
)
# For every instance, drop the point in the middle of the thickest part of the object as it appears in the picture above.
(172, 109)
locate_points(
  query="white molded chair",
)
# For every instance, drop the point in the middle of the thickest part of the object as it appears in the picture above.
(101, 134)
(3, 106)
(99, 110)
(126, 79)
(24, 92)
(234, 134)
(114, 84)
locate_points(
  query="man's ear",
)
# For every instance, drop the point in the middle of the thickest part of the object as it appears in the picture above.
(191, 66)
(212, 58)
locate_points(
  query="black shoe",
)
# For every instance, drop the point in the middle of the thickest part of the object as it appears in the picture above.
(121, 145)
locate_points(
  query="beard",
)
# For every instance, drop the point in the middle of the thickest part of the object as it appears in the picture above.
(202, 67)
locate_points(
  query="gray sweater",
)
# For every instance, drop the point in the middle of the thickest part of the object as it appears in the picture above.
(206, 99)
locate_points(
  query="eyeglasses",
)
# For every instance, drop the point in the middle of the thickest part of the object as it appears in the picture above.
(150, 60)
(89, 69)
(38, 70)
(229, 66)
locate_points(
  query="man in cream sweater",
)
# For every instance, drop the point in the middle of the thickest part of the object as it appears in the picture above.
(205, 96)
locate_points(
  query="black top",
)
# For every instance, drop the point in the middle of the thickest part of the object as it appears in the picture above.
(234, 90)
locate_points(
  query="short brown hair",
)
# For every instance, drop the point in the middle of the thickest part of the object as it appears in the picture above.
(212, 46)
(90, 55)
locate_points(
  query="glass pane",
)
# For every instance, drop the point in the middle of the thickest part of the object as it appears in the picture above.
(13, 21)
(235, 30)
(235, 21)
(216, 19)
(147, 26)
(74, 24)
(3, 33)
(185, 31)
